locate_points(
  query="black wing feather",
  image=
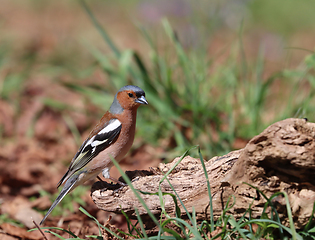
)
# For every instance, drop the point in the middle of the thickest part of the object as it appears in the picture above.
(89, 152)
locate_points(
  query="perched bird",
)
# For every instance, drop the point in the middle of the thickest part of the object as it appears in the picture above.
(112, 137)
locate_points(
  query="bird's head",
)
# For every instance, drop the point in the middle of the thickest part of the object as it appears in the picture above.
(128, 97)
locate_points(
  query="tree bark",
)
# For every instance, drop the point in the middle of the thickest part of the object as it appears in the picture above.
(280, 159)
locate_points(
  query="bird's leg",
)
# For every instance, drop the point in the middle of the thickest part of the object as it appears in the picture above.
(113, 179)
(105, 174)
(98, 177)
(110, 186)
(117, 181)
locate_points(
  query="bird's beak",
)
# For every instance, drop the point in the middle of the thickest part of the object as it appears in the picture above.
(141, 100)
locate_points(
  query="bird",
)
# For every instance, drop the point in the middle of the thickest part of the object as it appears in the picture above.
(111, 138)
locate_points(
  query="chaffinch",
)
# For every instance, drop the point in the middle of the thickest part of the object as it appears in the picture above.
(111, 137)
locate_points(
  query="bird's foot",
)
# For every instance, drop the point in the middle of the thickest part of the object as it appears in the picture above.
(119, 182)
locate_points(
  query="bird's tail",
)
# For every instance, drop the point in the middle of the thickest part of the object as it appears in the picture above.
(69, 185)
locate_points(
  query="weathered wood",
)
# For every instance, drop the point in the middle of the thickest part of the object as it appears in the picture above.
(281, 158)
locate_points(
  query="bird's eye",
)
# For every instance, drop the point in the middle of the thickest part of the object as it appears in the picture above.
(130, 95)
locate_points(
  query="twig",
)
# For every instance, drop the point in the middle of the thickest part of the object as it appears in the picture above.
(40, 230)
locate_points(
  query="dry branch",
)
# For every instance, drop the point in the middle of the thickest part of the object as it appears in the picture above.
(281, 158)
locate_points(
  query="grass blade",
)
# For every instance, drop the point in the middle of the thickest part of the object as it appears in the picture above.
(101, 30)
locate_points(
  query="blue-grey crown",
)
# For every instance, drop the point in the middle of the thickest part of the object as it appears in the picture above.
(137, 90)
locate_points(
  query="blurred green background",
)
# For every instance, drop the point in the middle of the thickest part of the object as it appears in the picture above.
(216, 73)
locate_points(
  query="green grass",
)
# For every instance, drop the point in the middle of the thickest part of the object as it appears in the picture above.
(5, 218)
(191, 105)
(194, 100)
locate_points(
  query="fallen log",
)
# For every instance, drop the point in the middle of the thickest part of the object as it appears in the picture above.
(280, 159)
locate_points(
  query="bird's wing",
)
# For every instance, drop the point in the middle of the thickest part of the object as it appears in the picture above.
(93, 146)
